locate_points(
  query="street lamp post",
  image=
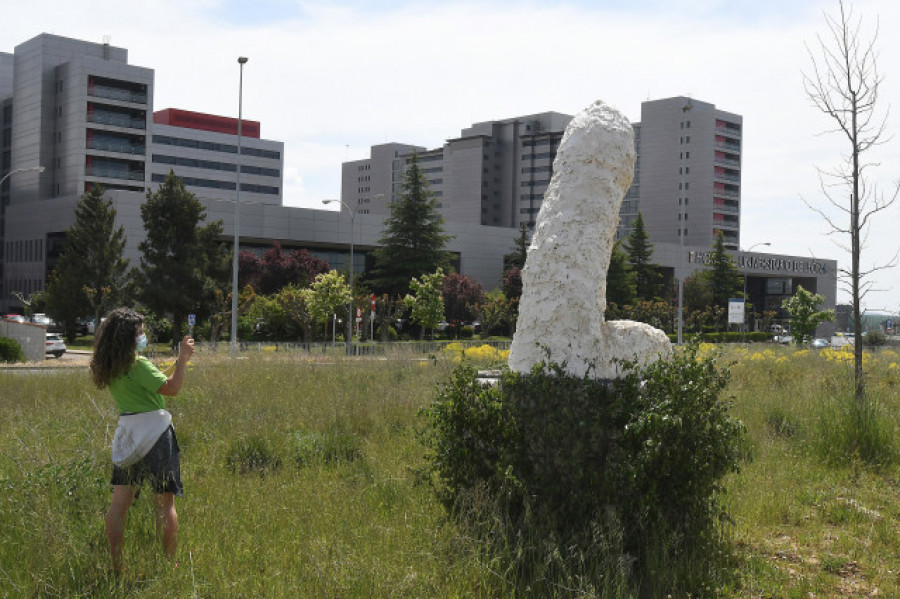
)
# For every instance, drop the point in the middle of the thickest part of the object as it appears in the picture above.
(745, 278)
(681, 232)
(350, 320)
(38, 169)
(242, 60)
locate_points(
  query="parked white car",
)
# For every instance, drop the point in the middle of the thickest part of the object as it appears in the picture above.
(41, 319)
(54, 345)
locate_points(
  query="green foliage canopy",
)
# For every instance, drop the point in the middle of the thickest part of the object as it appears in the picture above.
(621, 288)
(426, 304)
(413, 240)
(722, 275)
(647, 277)
(178, 257)
(328, 292)
(805, 315)
(91, 274)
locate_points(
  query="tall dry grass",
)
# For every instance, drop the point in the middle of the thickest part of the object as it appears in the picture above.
(327, 504)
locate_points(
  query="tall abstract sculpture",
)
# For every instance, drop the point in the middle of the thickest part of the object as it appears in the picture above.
(564, 280)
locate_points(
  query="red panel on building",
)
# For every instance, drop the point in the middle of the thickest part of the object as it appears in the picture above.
(188, 119)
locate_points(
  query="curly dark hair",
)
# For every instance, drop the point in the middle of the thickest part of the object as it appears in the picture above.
(115, 346)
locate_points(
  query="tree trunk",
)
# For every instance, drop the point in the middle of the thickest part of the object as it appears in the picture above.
(859, 381)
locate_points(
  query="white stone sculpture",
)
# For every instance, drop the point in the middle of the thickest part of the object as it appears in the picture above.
(564, 279)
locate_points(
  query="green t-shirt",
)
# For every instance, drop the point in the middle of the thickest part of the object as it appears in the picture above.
(136, 391)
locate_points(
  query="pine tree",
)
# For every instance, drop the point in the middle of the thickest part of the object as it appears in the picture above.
(91, 274)
(647, 277)
(620, 285)
(179, 257)
(723, 275)
(520, 250)
(413, 241)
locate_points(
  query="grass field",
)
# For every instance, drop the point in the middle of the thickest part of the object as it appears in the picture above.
(299, 481)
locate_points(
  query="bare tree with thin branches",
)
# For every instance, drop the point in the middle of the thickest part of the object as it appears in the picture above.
(844, 85)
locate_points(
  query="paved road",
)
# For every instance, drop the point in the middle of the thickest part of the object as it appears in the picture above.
(70, 359)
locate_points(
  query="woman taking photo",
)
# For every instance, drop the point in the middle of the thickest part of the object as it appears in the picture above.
(144, 447)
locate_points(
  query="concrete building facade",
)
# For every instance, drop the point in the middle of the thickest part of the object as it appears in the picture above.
(687, 174)
(81, 111)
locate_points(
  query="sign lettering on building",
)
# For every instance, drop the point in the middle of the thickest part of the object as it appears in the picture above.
(797, 266)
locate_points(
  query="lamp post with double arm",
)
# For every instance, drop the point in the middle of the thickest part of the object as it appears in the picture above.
(349, 270)
(242, 60)
(747, 251)
(29, 169)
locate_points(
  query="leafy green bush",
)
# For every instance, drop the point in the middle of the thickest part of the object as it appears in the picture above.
(875, 339)
(10, 350)
(252, 455)
(392, 333)
(201, 331)
(726, 337)
(571, 478)
(159, 329)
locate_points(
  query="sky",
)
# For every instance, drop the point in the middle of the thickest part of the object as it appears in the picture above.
(331, 79)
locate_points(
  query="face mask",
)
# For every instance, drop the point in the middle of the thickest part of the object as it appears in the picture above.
(142, 342)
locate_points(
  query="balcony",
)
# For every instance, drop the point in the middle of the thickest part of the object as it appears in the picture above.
(114, 173)
(726, 208)
(116, 119)
(122, 147)
(727, 161)
(728, 176)
(115, 93)
(728, 145)
(731, 132)
(725, 220)
(731, 236)
(731, 194)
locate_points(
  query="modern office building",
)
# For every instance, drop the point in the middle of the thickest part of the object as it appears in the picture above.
(687, 186)
(201, 149)
(86, 115)
(687, 174)
(81, 111)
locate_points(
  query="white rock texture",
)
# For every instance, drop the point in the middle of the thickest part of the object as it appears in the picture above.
(564, 279)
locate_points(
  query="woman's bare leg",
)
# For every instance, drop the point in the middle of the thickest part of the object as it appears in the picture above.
(167, 522)
(123, 496)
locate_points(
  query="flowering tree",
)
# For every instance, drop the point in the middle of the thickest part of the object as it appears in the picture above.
(426, 305)
(327, 293)
(805, 316)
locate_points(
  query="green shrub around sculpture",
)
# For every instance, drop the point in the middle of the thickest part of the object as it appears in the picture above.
(604, 485)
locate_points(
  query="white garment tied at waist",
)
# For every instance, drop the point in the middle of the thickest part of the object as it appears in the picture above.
(136, 434)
